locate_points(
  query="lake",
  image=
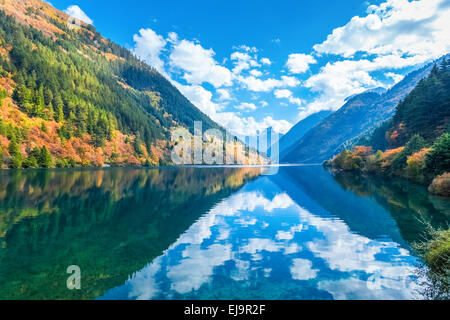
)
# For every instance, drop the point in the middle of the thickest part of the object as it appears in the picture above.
(211, 233)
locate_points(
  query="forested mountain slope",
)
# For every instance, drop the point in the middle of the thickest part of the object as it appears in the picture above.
(425, 111)
(359, 114)
(71, 97)
(417, 137)
(299, 130)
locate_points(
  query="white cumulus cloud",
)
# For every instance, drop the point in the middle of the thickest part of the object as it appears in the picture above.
(224, 94)
(200, 97)
(393, 35)
(266, 61)
(264, 85)
(285, 93)
(148, 47)
(243, 61)
(246, 106)
(76, 12)
(282, 93)
(299, 62)
(255, 73)
(241, 126)
(394, 76)
(198, 65)
(419, 27)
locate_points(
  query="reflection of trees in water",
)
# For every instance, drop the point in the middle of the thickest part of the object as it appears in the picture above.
(430, 212)
(109, 222)
(362, 215)
(434, 249)
(400, 198)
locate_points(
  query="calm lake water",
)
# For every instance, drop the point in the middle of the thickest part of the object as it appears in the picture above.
(211, 233)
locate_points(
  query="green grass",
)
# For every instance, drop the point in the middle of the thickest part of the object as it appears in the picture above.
(435, 251)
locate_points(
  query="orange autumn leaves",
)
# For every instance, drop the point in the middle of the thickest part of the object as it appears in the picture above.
(364, 158)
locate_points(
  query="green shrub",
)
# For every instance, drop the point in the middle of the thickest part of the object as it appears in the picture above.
(347, 161)
(372, 163)
(30, 162)
(415, 144)
(438, 253)
(415, 166)
(435, 252)
(3, 95)
(438, 159)
(62, 163)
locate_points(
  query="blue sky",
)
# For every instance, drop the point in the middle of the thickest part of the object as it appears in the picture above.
(254, 64)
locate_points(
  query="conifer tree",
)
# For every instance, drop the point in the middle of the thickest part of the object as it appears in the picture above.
(45, 158)
(438, 159)
(14, 152)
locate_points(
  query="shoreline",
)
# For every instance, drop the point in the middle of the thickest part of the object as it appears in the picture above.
(165, 166)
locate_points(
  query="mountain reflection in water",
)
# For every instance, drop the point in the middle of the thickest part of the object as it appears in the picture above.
(211, 233)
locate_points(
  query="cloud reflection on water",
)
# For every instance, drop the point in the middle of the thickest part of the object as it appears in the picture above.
(262, 238)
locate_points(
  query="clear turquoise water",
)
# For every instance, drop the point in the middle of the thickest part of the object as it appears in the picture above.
(211, 233)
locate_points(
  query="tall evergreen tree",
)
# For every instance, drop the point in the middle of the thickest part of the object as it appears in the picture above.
(45, 158)
(438, 159)
(14, 152)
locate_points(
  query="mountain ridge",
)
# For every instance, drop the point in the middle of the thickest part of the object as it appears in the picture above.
(87, 100)
(359, 114)
(416, 139)
(287, 141)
